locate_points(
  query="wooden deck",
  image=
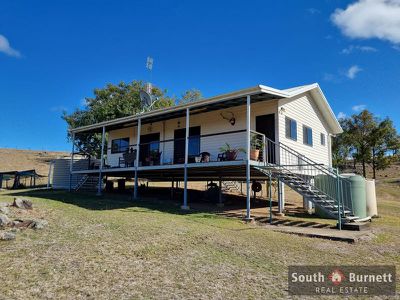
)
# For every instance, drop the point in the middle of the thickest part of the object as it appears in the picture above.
(229, 170)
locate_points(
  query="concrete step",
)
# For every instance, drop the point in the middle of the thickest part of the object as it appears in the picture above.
(357, 226)
(323, 233)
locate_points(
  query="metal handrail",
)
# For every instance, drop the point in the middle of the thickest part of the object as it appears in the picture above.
(191, 137)
(333, 186)
(330, 170)
(327, 170)
(308, 183)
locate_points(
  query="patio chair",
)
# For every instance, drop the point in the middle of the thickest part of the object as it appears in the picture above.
(127, 159)
(94, 165)
(221, 157)
(156, 158)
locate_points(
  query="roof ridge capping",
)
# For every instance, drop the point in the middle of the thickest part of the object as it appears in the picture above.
(271, 90)
(300, 89)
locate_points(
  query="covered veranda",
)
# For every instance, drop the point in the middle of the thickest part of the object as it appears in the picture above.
(186, 171)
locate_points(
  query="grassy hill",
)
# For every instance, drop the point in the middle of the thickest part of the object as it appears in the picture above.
(18, 160)
(392, 172)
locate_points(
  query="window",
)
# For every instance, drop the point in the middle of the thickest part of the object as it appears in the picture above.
(291, 129)
(323, 141)
(119, 145)
(307, 136)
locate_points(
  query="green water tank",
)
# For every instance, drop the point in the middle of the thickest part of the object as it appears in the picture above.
(356, 190)
(358, 195)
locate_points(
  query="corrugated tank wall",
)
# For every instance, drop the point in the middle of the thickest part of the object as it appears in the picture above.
(60, 175)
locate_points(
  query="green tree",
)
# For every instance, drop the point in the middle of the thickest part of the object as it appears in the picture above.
(383, 139)
(190, 96)
(341, 147)
(108, 103)
(368, 139)
(340, 150)
(358, 130)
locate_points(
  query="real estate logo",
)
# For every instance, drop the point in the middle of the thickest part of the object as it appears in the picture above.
(344, 280)
(336, 277)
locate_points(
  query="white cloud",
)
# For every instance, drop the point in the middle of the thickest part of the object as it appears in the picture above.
(338, 76)
(358, 108)
(6, 48)
(313, 11)
(341, 115)
(353, 48)
(370, 19)
(353, 71)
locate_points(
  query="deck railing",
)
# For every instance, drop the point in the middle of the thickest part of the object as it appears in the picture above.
(204, 148)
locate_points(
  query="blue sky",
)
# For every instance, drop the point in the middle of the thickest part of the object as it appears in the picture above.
(54, 53)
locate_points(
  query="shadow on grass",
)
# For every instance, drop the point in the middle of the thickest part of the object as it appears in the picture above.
(155, 199)
(108, 201)
(84, 200)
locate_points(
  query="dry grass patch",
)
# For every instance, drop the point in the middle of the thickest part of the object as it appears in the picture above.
(112, 248)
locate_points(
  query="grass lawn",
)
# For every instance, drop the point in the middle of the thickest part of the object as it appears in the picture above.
(109, 247)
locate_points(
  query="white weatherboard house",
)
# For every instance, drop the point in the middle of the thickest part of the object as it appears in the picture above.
(271, 133)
